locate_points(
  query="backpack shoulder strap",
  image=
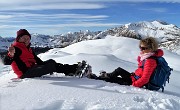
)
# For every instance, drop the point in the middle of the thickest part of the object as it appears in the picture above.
(151, 57)
(143, 62)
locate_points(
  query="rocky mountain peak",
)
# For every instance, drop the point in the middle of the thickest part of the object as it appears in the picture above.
(167, 34)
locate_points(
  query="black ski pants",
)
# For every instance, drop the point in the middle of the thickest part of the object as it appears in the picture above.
(119, 76)
(49, 67)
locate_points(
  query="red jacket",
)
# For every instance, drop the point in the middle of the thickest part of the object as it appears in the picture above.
(24, 58)
(145, 73)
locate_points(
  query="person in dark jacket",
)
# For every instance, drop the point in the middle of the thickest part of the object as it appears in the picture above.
(148, 48)
(26, 64)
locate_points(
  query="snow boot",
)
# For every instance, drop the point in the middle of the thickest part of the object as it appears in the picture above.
(87, 71)
(103, 74)
(81, 66)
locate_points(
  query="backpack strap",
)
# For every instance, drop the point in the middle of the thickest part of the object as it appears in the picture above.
(143, 62)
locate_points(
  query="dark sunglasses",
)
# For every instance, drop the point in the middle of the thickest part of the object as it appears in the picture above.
(143, 48)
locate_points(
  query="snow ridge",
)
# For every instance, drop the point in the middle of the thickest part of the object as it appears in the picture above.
(167, 34)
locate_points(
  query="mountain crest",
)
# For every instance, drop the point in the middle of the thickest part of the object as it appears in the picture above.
(167, 34)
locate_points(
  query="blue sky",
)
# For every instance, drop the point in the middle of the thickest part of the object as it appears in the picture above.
(53, 17)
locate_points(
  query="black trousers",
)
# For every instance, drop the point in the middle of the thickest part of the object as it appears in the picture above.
(49, 67)
(119, 76)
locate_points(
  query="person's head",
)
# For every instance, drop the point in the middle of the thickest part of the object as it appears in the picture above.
(148, 44)
(23, 36)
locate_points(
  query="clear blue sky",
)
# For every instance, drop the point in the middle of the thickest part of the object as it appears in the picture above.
(53, 17)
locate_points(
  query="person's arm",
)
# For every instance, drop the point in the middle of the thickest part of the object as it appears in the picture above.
(12, 54)
(38, 60)
(149, 68)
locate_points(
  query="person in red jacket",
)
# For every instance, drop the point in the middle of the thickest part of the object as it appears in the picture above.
(139, 78)
(26, 64)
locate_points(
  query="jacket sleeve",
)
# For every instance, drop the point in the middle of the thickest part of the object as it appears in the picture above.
(8, 59)
(149, 68)
(38, 60)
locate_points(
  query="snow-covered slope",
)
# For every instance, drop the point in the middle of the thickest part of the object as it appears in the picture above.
(59, 92)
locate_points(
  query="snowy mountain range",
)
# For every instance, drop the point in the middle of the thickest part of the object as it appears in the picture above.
(167, 34)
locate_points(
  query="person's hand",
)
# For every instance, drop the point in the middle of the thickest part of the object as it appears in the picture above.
(11, 50)
(132, 73)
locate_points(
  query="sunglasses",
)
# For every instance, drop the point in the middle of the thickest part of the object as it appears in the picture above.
(143, 48)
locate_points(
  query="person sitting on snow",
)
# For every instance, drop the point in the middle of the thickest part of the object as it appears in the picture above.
(26, 64)
(148, 47)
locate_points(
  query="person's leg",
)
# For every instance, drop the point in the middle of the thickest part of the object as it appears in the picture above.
(122, 81)
(50, 66)
(117, 80)
(119, 72)
(39, 70)
(66, 68)
(92, 76)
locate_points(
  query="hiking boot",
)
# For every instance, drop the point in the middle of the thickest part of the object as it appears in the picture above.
(86, 71)
(103, 74)
(80, 68)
